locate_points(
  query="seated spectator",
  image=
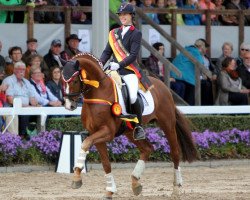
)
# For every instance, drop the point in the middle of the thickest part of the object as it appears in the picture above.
(237, 5)
(153, 64)
(89, 14)
(10, 16)
(223, 19)
(2, 60)
(231, 90)
(38, 15)
(55, 84)
(19, 87)
(53, 17)
(171, 4)
(31, 50)
(15, 53)
(2, 74)
(162, 16)
(227, 50)
(3, 102)
(244, 70)
(37, 61)
(53, 58)
(72, 47)
(187, 68)
(42, 93)
(208, 5)
(206, 82)
(244, 47)
(192, 19)
(152, 16)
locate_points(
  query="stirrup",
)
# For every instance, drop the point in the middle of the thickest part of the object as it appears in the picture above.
(139, 133)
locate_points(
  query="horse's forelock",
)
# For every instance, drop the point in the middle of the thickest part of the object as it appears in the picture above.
(70, 69)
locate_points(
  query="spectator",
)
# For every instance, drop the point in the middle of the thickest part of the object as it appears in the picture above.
(244, 47)
(187, 68)
(42, 93)
(227, 50)
(171, 4)
(3, 88)
(244, 70)
(9, 16)
(231, 90)
(15, 54)
(53, 17)
(19, 87)
(192, 19)
(37, 61)
(2, 60)
(38, 15)
(2, 74)
(153, 64)
(53, 58)
(31, 50)
(208, 5)
(55, 84)
(152, 16)
(223, 19)
(237, 5)
(206, 82)
(87, 3)
(162, 16)
(72, 47)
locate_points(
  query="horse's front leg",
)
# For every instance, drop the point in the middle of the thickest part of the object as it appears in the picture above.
(100, 136)
(110, 183)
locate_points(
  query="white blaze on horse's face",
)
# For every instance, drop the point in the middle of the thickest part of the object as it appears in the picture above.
(68, 103)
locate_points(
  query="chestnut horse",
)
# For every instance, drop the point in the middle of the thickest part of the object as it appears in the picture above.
(84, 75)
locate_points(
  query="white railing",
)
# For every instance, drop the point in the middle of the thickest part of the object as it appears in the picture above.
(43, 112)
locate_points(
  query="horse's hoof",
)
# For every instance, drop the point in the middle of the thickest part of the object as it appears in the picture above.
(137, 189)
(106, 198)
(76, 184)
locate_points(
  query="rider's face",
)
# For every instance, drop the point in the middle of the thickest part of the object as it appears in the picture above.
(125, 18)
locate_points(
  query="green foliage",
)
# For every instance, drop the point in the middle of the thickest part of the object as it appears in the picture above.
(219, 122)
(198, 123)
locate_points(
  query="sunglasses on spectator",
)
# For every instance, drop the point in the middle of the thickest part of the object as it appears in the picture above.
(245, 49)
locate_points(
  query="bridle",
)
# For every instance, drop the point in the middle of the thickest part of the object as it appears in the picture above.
(84, 87)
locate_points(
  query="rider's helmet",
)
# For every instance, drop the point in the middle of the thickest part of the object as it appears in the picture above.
(126, 8)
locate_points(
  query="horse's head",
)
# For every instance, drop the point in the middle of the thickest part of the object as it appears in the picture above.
(72, 84)
(80, 75)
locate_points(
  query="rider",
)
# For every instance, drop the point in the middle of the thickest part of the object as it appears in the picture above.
(125, 64)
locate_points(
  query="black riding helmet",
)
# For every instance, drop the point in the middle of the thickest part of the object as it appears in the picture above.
(126, 8)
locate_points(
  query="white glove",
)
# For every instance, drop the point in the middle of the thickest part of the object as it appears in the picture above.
(114, 66)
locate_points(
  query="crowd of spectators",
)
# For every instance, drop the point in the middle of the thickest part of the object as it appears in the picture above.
(230, 80)
(34, 78)
(80, 17)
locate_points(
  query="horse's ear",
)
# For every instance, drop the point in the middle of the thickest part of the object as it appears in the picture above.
(77, 65)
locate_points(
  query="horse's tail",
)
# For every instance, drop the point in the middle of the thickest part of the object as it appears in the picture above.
(185, 139)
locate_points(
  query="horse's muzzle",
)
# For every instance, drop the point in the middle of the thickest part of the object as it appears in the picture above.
(70, 105)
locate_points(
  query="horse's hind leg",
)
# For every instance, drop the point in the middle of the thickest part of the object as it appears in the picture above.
(145, 149)
(168, 127)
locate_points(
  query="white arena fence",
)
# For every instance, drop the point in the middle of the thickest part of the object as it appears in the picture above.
(43, 112)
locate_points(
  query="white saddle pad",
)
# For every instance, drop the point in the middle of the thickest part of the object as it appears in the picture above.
(147, 99)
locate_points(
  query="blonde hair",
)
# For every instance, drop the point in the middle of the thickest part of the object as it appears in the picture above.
(227, 44)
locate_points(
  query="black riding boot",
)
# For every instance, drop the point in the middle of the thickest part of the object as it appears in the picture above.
(138, 133)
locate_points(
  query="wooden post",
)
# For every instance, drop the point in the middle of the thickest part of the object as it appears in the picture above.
(208, 30)
(67, 22)
(241, 27)
(197, 95)
(173, 31)
(30, 22)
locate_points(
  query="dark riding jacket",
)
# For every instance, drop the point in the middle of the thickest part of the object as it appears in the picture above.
(131, 42)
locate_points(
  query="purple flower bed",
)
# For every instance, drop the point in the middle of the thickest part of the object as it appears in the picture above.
(48, 143)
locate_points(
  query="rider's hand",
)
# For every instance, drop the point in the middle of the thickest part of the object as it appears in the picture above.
(114, 66)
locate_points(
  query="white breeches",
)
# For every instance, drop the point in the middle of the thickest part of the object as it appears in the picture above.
(132, 83)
